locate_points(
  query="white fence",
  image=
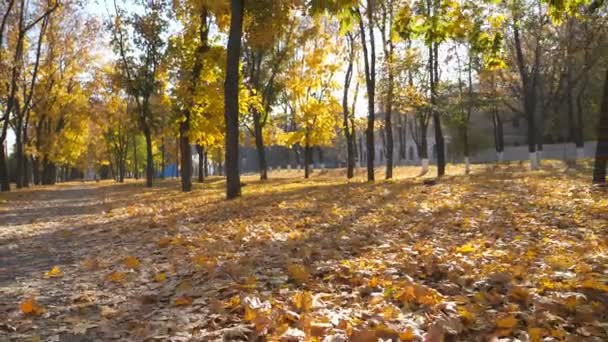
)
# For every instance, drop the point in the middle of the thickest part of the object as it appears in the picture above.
(550, 151)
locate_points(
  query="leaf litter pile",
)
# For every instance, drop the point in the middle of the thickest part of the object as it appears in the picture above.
(503, 254)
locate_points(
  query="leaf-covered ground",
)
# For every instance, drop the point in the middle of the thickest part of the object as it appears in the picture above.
(504, 253)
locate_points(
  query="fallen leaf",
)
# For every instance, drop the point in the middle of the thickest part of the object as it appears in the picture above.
(132, 262)
(506, 322)
(31, 307)
(55, 272)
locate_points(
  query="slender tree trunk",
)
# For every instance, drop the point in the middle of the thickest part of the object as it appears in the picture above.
(26, 169)
(439, 140)
(601, 152)
(149, 158)
(177, 159)
(19, 161)
(36, 170)
(4, 178)
(135, 166)
(162, 156)
(259, 145)
(186, 160)
(580, 126)
(402, 137)
(206, 169)
(389, 128)
(231, 100)
(370, 82)
(528, 90)
(307, 158)
(346, 127)
(201, 163)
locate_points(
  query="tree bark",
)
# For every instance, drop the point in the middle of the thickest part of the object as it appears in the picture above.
(4, 178)
(580, 125)
(434, 79)
(149, 158)
(231, 100)
(197, 69)
(36, 170)
(601, 152)
(528, 84)
(201, 163)
(259, 145)
(307, 159)
(370, 82)
(135, 166)
(186, 160)
(348, 134)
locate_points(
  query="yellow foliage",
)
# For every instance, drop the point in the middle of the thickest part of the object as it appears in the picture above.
(55, 272)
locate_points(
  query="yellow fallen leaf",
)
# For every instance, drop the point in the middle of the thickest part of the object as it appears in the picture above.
(31, 307)
(160, 277)
(506, 322)
(90, 264)
(373, 282)
(536, 334)
(233, 302)
(132, 262)
(298, 273)
(55, 272)
(407, 335)
(117, 277)
(467, 248)
(182, 300)
(390, 312)
(250, 314)
(466, 315)
(302, 301)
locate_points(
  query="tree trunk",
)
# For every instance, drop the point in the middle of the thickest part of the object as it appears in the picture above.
(434, 79)
(307, 159)
(36, 170)
(206, 168)
(580, 127)
(389, 128)
(162, 156)
(186, 160)
(201, 163)
(149, 159)
(4, 179)
(370, 82)
(346, 114)
(135, 167)
(18, 161)
(528, 91)
(231, 100)
(26, 171)
(402, 137)
(601, 152)
(259, 145)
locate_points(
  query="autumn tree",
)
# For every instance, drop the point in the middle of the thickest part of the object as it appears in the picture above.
(309, 88)
(268, 43)
(17, 21)
(138, 41)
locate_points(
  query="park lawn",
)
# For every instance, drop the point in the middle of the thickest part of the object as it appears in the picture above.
(503, 252)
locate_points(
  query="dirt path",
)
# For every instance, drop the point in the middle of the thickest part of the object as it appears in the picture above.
(35, 229)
